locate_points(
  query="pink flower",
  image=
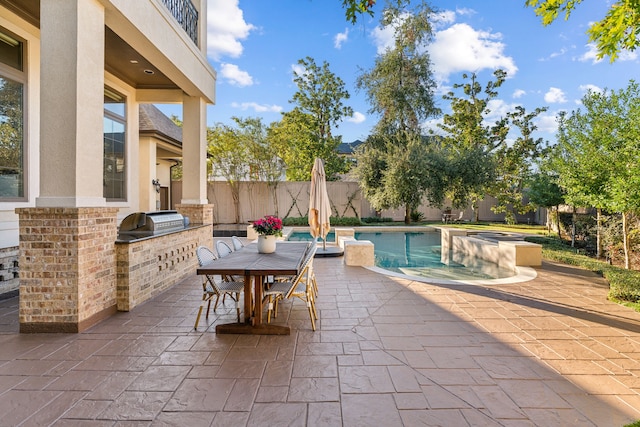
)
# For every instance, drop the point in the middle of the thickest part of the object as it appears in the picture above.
(268, 226)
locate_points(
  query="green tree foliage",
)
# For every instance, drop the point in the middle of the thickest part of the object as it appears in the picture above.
(598, 154)
(306, 132)
(354, 8)
(400, 84)
(394, 161)
(545, 192)
(470, 142)
(240, 153)
(617, 31)
(515, 163)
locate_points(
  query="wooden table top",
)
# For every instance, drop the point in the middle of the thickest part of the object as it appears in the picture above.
(286, 260)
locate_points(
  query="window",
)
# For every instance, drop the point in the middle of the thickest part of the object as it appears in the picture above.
(114, 146)
(12, 143)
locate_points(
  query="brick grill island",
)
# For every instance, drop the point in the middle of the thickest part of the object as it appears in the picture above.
(155, 250)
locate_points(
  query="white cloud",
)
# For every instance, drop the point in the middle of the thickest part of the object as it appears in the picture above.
(340, 38)
(555, 95)
(461, 48)
(235, 76)
(356, 118)
(226, 28)
(590, 55)
(518, 93)
(547, 122)
(383, 38)
(258, 108)
(627, 55)
(589, 87)
(498, 109)
(443, 18)
(298, 69)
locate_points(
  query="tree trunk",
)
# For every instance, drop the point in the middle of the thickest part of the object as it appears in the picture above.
(625, 239)
(235, 195)
(407, 215)
(598, 233)
(558, 222)
(573, 227)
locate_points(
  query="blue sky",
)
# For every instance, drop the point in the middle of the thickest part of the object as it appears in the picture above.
(254, 46)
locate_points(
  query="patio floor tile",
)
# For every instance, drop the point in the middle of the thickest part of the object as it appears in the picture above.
(387, 351)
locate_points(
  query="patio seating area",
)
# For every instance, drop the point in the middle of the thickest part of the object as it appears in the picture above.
(386, 351)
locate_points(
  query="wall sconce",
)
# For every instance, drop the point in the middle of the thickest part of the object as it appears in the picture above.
(156, 184)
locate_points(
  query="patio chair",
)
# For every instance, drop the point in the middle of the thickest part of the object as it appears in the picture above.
(216, 285)
(459, 219)
(300, 286)
(237, 243)
(223, 249)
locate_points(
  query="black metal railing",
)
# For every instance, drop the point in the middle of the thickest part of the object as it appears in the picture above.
(187, 16)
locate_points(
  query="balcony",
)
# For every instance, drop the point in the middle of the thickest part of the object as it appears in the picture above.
(187, 16)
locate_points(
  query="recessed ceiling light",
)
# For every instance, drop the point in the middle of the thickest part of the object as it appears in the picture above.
(149, 72)
(133, 61)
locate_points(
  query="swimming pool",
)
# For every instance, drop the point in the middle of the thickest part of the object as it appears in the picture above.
(419, 254)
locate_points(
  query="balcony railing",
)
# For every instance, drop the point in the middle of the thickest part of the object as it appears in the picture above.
(187, 16)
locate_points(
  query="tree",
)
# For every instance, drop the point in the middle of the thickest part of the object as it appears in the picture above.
(399, 89)
(266, 165)
(598, 154)
(515, 164)
(307, 130)
(545, 192)
(617, 31)
(353, 8)
(230, 155)
(470, 142)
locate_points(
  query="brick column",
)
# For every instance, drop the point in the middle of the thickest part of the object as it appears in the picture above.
(197, 213)
(67, 267)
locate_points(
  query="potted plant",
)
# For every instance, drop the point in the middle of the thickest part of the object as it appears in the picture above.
(268, 228)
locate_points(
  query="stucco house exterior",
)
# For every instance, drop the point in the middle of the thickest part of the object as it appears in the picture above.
(77, 80)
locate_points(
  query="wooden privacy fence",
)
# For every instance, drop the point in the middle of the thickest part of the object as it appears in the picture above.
(291, 199)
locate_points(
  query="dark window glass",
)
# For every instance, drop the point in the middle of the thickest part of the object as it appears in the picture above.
(10, 51)
(114, 146)
(11, 139)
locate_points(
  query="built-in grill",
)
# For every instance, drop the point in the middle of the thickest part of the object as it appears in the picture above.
(142, 224)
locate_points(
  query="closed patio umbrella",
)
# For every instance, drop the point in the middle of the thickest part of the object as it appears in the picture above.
(319, 206)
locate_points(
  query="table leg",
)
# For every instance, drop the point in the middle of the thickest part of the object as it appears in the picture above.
(253, 324)
(247, 299)
(258, 283)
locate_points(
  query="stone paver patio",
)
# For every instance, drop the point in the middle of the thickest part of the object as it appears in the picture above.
(387, 352)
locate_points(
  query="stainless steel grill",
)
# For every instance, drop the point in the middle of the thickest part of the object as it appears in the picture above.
(151, 223)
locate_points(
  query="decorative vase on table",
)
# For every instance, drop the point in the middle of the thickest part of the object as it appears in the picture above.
(266, 244)
(268, 229)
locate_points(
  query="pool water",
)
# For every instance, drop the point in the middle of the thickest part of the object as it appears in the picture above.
(419, 254)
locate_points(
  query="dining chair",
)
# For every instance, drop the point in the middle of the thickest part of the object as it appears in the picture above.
(300, 286)
(216, 285)
(223, 248)
(237, 243)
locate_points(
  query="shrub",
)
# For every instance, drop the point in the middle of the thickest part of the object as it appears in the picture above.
(302, 221)
(375, 219)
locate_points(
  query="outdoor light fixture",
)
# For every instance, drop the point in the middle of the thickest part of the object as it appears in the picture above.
(156, 184)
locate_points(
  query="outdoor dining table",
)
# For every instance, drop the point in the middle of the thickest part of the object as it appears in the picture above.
(287, 260)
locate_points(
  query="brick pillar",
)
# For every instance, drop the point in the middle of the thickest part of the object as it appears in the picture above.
(67, 267)
(197, 213)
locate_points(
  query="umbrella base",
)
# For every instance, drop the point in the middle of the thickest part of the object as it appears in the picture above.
(329, 251)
